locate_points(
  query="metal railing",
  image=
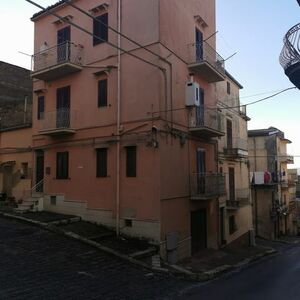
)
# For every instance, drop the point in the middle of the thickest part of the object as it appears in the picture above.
(202, 116)
(200, 52)
(63, 118)
(290, 53)
(37, 188)
(66, 52)
(207, 185)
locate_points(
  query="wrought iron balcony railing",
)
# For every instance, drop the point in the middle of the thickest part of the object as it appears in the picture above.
(61, 121)
(204, 60)
(290, 55)
(207, 186)
(206, 122)
(57, 61)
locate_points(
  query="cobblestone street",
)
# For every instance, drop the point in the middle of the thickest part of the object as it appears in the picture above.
(37, 264)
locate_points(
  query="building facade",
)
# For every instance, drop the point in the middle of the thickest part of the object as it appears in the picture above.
(269, 178)
(235, 206)
(15, 130)
(125, 131)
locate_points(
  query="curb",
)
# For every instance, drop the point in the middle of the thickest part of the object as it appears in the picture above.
(287, 242)
(217, 272)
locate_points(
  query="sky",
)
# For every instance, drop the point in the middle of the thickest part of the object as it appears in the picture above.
(254, 29)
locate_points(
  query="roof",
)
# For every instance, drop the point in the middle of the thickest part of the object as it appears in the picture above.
(51, 7)
(264, 132)
(267, 132)
(12, 66)
(233, 79)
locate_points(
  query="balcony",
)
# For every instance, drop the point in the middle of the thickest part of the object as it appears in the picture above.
(263, 179)
(58, 122)
(286, 158)
(284, 184)
(57, 62)
(236, 148)
(204, 61)
(241, 198)
(290, 55)
(205, 122)
(232, 205)
(207, 186)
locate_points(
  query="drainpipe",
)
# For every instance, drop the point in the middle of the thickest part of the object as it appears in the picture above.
(118, 124)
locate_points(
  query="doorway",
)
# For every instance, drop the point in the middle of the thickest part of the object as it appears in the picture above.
(231, 184)
(39, 171)
(199, 230)
(199, 45)
(222, 226)
(201, 169)
(63, 44)
(63, 107)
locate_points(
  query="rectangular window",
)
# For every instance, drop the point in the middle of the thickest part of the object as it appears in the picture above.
(62, 165)
(102, 162)
(102, 93)
(131, 161)
(100, 29)
(41, 107)
(232, 225)
(228, 88)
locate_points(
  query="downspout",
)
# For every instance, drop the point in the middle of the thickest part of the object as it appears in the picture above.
(118, 124)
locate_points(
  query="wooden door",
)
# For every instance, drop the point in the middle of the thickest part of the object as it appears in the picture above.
(198, 230)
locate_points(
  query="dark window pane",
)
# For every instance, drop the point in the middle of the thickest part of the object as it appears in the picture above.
(102, 162)
(41, 107)
(131, 161)
(100, 29)
(232, 224)
(102, 93)
(228, 88)
(62, 165)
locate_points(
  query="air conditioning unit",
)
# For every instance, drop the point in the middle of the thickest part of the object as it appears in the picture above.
(192, 94)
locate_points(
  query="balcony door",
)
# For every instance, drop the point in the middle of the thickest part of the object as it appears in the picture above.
(63, 45)
(63, 107)
(229, 133)
(199, 45)
(200, 109)
(39, 171)
(201, 169)
(231, 184)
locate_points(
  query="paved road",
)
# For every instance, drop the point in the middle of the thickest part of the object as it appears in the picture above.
(36, 264)
(277, 277)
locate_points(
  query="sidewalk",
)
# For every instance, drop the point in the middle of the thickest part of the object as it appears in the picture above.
(209, 264)
(204, 266)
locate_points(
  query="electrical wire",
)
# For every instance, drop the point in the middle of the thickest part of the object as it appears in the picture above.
(49, 12)
(231, 107)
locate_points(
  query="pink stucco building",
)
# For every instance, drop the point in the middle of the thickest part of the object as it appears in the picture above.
(124, 136)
